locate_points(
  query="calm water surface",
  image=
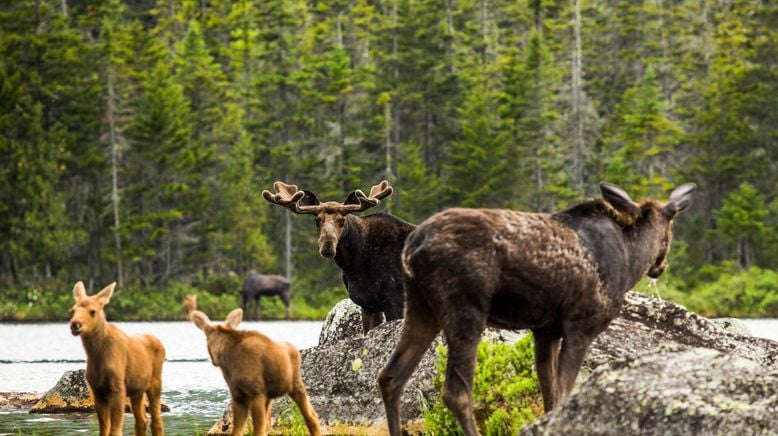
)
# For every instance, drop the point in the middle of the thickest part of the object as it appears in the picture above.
(34, 356)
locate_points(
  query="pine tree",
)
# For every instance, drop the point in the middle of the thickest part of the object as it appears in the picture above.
(641, 139)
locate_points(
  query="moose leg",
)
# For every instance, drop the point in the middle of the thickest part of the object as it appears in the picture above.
(268, 414)
(287, 303)
(116, 410)
(258, 408)
(300, 397)
(138, 411)
(419, 329)
(575, 345)
(462, 338)
(103, 415)
(546, 361)
(240, 412)
(155, 404)
(370, 320)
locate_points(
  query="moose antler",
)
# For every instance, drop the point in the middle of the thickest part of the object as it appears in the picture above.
(287, 196)
(377, 192)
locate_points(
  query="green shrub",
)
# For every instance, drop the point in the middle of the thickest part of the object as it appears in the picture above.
(506, 394)
(751, 293)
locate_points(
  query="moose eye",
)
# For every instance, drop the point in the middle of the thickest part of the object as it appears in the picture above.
(92, 312)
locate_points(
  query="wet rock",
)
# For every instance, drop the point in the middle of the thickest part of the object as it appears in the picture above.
(71, 394)
(673, 390)
(223, 426)
(343, 321)
(13, 401)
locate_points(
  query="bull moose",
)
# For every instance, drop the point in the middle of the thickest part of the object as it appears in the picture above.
(367, 249)
(561, 275)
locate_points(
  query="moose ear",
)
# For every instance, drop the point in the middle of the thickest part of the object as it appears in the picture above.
(619, 199)
(201, 320)
(353, 198)
(104, 296)
(680, 200)
(309, 199)
(234, 318)
(79, 291)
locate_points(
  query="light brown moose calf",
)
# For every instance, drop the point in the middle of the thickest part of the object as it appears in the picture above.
(257, 370)
(117, 366)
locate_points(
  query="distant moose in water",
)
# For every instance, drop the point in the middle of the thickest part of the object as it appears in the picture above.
(261, 285)
(561, 275)
(367, 249)
(118, 366)
(257, 370)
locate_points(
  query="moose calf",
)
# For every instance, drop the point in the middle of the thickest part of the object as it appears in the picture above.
(256, 370)
(562, 275)
(117, 366)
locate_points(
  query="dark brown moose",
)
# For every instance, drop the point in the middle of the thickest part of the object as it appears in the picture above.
(262, 285)
(117, 366)
(561, 275)
(367, 249)
(257, 370)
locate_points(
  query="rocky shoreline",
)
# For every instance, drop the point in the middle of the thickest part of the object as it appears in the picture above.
(658, 369)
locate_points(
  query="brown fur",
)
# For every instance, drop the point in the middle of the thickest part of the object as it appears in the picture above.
(257, 370)
(367, 249)
(118, 366)
(562, 275)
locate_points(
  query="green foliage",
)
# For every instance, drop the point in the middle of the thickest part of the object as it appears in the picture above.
(201, 105)
(216, 296)
(506, 394)
(741, 220)
(750, 293)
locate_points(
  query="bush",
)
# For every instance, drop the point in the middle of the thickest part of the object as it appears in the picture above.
(751, 293)
(506, 394)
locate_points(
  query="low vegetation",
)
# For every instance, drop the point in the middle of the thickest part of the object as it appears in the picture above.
(506, 393)
(217, 295)
(723, 290)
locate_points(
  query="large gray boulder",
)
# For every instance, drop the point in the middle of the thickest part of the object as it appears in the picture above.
(344, 321)
(644, 323)
(71, 394)
(674, 390)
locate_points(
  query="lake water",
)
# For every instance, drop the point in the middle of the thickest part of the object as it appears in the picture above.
(34, 356)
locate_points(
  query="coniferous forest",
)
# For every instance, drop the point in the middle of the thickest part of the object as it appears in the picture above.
(136, 136)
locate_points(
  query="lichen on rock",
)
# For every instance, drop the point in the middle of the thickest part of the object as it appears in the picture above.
(671, 390)
(71, 394)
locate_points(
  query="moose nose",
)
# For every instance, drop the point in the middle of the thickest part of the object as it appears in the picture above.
(327, 251)
(75, 328)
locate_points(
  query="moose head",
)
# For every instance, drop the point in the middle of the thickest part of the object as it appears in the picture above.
(87, 316)
(217, 341)
(652, 213)
(330, 216)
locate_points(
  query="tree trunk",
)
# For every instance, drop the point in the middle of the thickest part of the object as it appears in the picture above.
(288, 243)
(115, 177)
(577, 101)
